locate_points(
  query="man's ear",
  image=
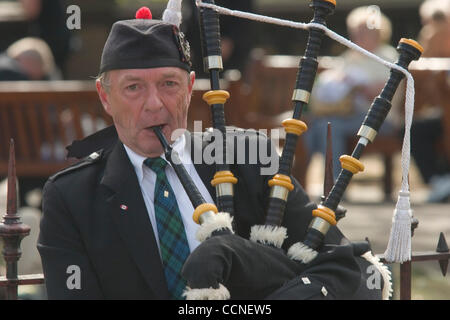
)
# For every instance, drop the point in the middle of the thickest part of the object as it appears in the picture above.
(191, 81)
(190, 86)
(104, 97)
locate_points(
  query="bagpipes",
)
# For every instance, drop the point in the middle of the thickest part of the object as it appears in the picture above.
(226, 265)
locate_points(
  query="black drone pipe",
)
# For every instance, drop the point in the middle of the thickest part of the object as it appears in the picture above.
(210, 33)
(281, 184)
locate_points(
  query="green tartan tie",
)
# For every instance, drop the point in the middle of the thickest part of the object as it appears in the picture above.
(172, 237)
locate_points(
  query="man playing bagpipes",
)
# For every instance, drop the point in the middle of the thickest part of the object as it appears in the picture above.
(122, 216)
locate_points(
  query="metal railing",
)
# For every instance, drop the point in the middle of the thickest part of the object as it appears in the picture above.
(441, 255)
(12, 231)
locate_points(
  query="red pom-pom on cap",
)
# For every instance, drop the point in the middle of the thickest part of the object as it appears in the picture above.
(143, 13)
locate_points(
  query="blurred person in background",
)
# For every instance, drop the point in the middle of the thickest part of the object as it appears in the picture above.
(427, 128)
(28, 59)
(435, 33)
(343, 94)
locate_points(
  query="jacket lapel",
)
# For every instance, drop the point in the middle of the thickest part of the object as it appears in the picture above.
(133, 223)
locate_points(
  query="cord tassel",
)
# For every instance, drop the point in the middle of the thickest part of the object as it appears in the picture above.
(399, 246)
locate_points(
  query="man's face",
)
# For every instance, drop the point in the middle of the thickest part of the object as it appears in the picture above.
(138, 99)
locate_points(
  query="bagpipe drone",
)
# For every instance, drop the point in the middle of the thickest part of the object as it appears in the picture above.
(226, 265)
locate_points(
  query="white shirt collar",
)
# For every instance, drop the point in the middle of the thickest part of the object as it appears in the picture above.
(138, 161)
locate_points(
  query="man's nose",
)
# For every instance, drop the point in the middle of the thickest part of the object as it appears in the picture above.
(153, 102)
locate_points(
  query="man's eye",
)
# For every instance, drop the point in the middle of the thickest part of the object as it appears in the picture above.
(132, 87)
(170, 83)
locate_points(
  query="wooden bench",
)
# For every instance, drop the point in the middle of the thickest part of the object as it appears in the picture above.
(44, 117)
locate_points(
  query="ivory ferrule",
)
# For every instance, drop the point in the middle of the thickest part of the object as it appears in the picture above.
(213, 62)
(279, 192)
(224, 189)
(301, 95)
(320, 225)
(367, 132)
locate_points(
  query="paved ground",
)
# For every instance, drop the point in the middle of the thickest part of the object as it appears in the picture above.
(374, 222)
